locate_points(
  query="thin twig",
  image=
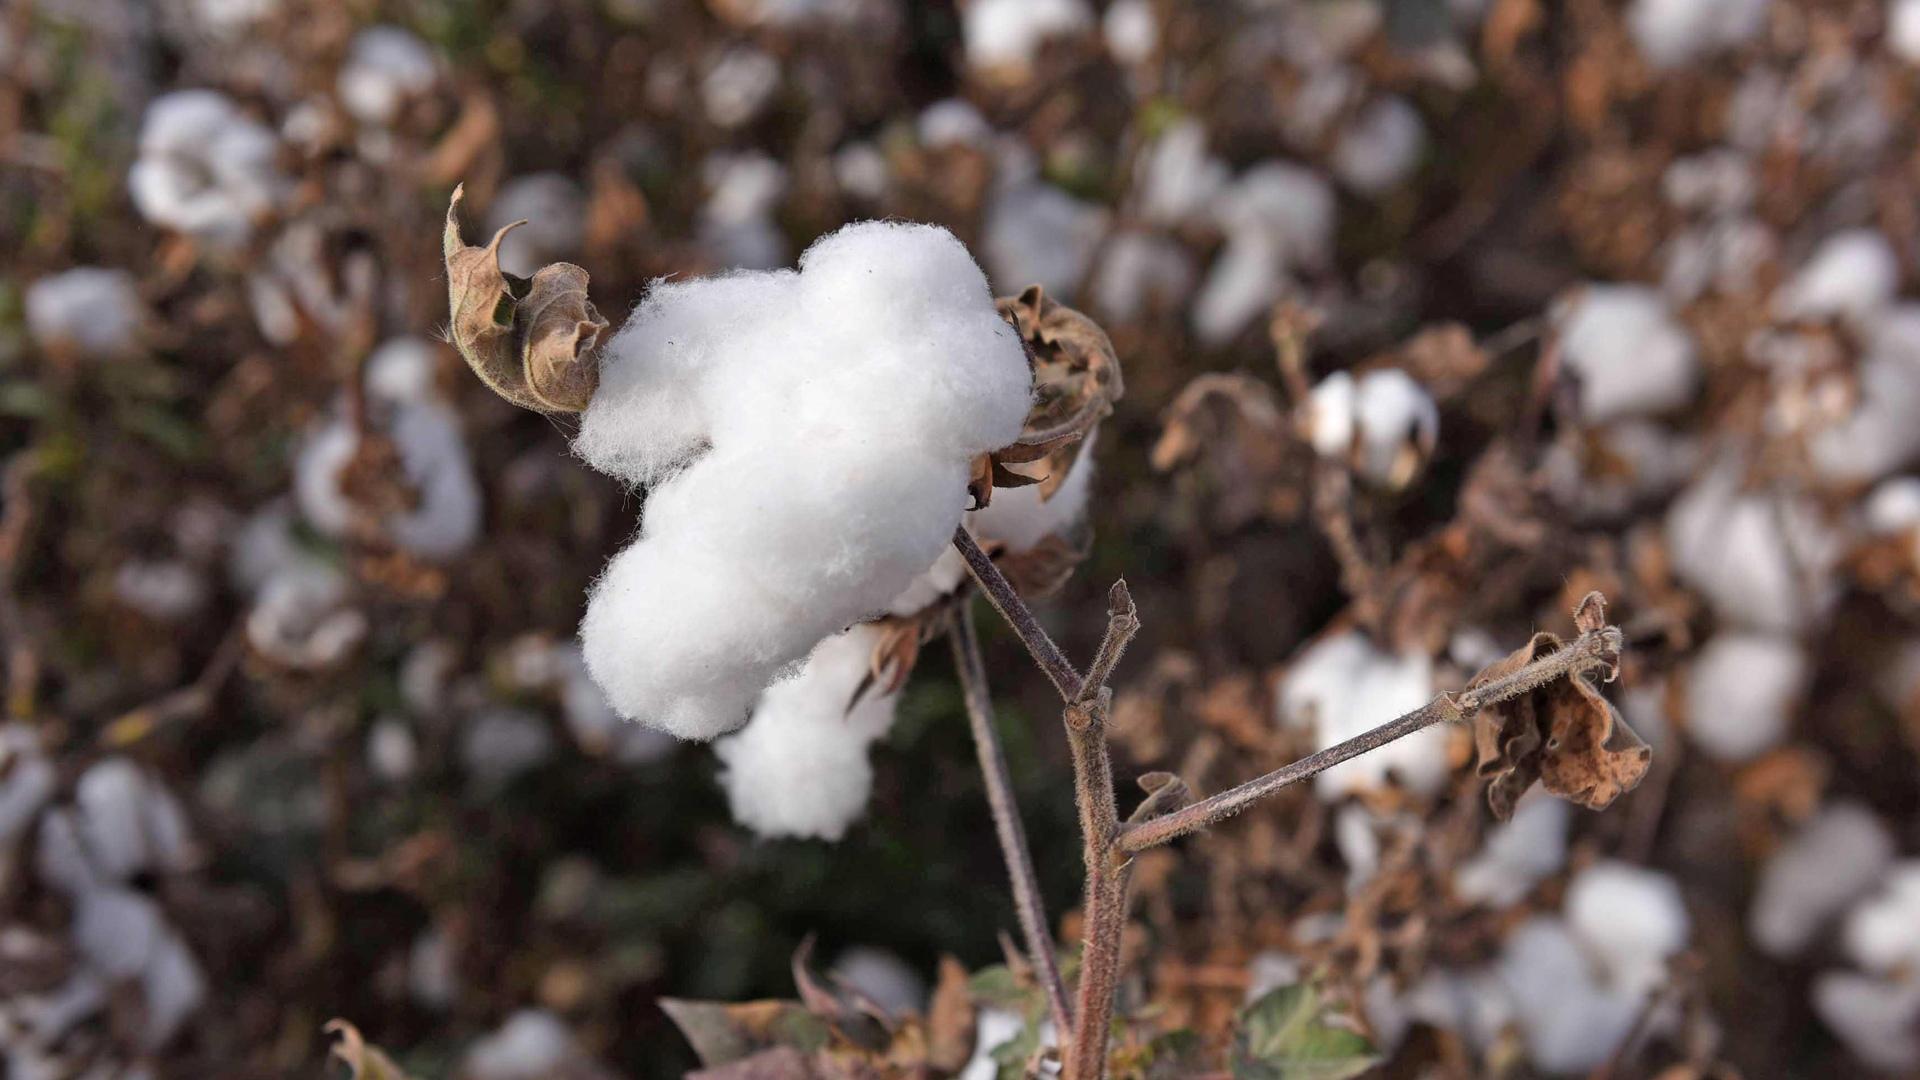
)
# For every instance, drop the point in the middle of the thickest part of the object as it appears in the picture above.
(1027, 903)
(1007, 602)
(1596, 648)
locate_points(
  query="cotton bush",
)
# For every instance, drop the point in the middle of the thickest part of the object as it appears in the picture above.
(807, 438)
(92, 311)
(205, 168)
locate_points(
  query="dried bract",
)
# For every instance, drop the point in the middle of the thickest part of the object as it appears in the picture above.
(531, 340)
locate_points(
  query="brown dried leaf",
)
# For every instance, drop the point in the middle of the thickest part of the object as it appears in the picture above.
(778, 1063)
(1076, 378)
(950, 1019)
(1564, 735)
(529, 339)
(722, 1032)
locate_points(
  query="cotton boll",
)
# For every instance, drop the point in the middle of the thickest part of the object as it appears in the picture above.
(1763, 561)
(173, 988)
(1852, 274)
(1138, 270)
(739, 86)
(1518, 854)
(861, 171)
(1876, 1018)
(1726, 255)
(1019, 518)
(1474, 1005)
(1329, 415)
(204, 168)
(993, 1029)
(90, 311)
(26, 780)
(883, 977)
(1903, 30)
(501, 743)
(531, 1045)
(403, 369)
(127, 822)
(1278, 218)
(1178, 178)
(1008, 33)
(737, 223)
(301, 620)
(1893, 506)
(555, 213)
(1831, 861)
(1742, 691)
(1632, 357)
(1882, 933)
(1131, 30)
(433, 977)
(1630, 919)
(1039, 234)
(445, 519)
(117, 930)
(840, 407)
(1342, 687)
(386, 67)
(800, 767)
(1397, 424)
(166, 590)
(1717, 181)
(1570, 1022)
(1670, 33)
(392, 751)
(1380, 147)
(1879, 436)
(953, 122)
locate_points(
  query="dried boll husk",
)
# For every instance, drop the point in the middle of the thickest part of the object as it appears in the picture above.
(530, 340)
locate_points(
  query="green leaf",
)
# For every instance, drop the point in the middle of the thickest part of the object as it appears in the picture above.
(1285, 1035)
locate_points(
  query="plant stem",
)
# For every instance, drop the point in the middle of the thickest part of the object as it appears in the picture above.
(1027, 903)
(1007, 602)
(1592, 649)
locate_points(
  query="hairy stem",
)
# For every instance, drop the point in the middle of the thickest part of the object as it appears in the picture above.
(1007, 602)
(1595, 648)
(1027, 903)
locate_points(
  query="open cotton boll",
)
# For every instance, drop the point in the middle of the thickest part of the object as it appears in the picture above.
(1474, 1005)
(1009, 33)
(808, 435)
(1726, 255)
(1903, 30)
(1742, 690)
(1178, 178)
(1039, 234)
(1632, 356)
(1571, 1022)
(1882, 932)
(1384, 423)
(1140, 269)
(300, 619)
(952, 122)
(882, 977)
(1518, 854)
(1342, 687)
(738, 86)
(1131, 30)
(1879, 436)
(1877, 1019)
(800, 767)
(1019, 518)
(1852, 274)
(166, 590)
(204, 168)
(26, 780)
(736, 223)
(91, 311)
(1631, 920)
(555, 213)
(1830, 862)
(531, 1045)
(128, 822)
(1764, 561)
(1381, 146)
(1670, 33)
(386, 67)
(1278, 218)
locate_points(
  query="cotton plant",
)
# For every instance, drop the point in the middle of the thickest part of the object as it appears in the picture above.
(1382, 423)
(837, 459)
(1003, 37)
(88, 312)
(1278, 218)
(206, 169)
(386, 70)
(1874, 1007)
(299, 614)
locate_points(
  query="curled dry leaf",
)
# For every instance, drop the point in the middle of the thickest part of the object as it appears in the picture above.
(529, 339)
(1564, 735)
(1076, 380)
(951, 1019)
(364, 1062)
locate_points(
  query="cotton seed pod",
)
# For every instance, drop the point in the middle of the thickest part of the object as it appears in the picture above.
(530, 340)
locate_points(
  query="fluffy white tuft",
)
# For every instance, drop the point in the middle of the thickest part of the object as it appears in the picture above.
(1344, 686)
(96, 312)
(1632, 356)
(800, 766)
(807, 436)
(1828, 864)
(1741, 693)
(205, 168)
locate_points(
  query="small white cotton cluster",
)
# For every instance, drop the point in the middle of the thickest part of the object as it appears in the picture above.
(1670, 33)
(800, 766)
(538, 664)
(1763, 560)
(952, 122)
(1742, 690)
(1877, 435)
(205, 168)
(1903, 30)
(739, 85)
(500, 742)
(1517, 854)
(1278, 219)
(1177, 177)
(386, 69)
(404, 405)
(27, 781)
(555, 213)
(1383, 423)
(1007, 34)
(89, 311)
(1343, 686)
(736, 223)
(165, 590)
(299, 616)
(807, 435)
(1632, 356)
(1852, 274)
(1131, 30)
(299, 282)
(1037, 234)
(1828, 864)
(1142, 270)
(532, 1044)
(1380, 146)
(883, 977)
(121, 823)
(1876, 1009)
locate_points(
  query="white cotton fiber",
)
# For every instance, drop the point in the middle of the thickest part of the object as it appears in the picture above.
(1877, 1019)
(1517, 854)
(1742, 690)
(205, 168)
(1882, 933)
(1830, 862)
(1383, 423)
(1632, 356)
(1141, 269)
(1342, 687)
(1570, 1020)
(1131, 29)
(1381, 146)
(1763, 560)
(385, 68)
(1178, 178)
(1278, 218)
(1009, 33)
(1630, 919)
(800, 768)
(95, 312)
(1853, 273)
(1037, 234)
(1903, 29)
(1671, 32)
(807, 435)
